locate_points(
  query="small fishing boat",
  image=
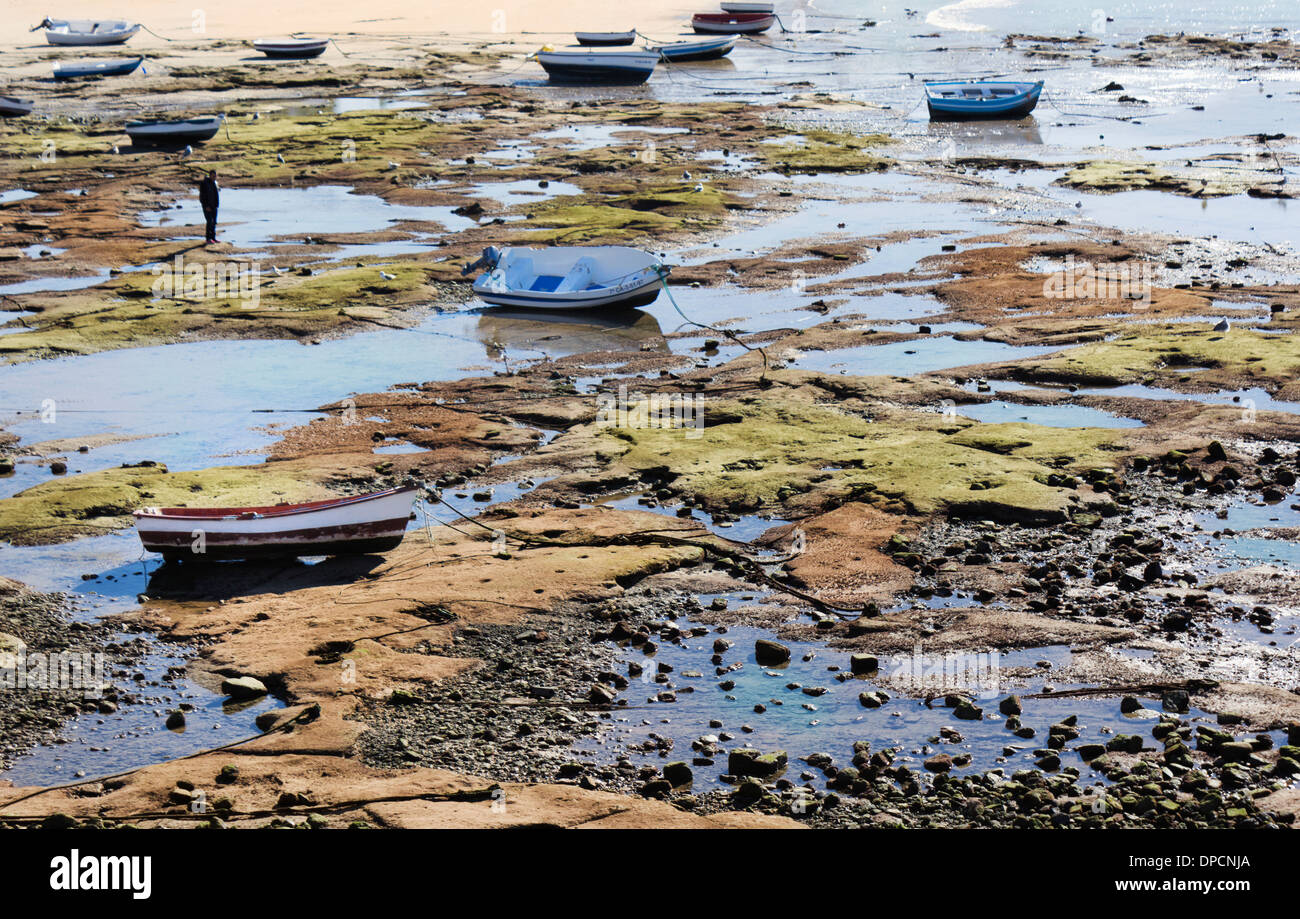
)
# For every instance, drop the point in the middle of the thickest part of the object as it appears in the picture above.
(120, 67)
(605, 39)
(172, 133)
(598, 67)
(704, 50)
(732, 23)
(11, 107)
(728, 7)
(959, 100)
(291, 48)
(374, 522)
(568, 277)
(87, 31)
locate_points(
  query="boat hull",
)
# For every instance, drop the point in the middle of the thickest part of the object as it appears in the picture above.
(77, 70)
(298, 51)
(78, 33)
(732, 23)
(638, 296)
(605, 39)
(707, 50)
(15, 108)
(597, 68)
(361, 525)
(173, 133)
(1009, 107)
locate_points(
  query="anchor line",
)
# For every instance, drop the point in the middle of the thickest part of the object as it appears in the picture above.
(725, 333)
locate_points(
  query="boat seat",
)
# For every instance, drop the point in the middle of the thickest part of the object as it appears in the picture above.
(519, 274)
(579, 276)
(546, 283)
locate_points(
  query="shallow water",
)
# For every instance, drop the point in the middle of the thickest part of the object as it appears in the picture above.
(802, 724)
(261, 218)
(135, 735)
(908, 358)
(210, 400)
(1055, 416)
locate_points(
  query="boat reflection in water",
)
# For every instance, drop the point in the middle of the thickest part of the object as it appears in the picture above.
(985, 134)
(559, 333)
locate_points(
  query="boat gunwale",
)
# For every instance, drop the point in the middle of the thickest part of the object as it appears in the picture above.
(273, 510)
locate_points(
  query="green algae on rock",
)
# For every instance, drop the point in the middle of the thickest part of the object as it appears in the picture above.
(127, 312)
(1112, 176)
(764, 453)
(1229, 358)
(632, 212)
(827, 151)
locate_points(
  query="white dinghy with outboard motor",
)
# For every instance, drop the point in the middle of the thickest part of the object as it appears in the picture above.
(568, 277)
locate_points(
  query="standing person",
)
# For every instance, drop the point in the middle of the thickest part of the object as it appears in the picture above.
(209, 201)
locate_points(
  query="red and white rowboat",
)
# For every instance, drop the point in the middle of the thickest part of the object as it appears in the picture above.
(339, 526)
(732, 23)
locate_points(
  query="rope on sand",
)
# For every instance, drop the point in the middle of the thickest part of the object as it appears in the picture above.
(156, 35)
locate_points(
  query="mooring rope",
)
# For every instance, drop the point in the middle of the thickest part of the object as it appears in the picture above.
(726, 333)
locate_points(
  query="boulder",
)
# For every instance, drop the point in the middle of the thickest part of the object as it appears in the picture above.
(752, 763)
(678, 774)
(770, 652)
(863, 663)
(243, 687)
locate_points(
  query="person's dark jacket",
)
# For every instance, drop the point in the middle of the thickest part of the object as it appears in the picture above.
(208, 194)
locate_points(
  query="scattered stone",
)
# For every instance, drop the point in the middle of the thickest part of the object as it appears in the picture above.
(770, 652)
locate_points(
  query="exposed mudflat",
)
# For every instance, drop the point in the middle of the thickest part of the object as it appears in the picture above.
(974, 500)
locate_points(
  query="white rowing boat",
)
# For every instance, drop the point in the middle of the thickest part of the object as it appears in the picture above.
(603, 68)
(705, 50)
(87, 31)
(375, 522)
(568, 277)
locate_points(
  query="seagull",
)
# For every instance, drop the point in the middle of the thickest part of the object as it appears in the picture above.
(1222, 326)
(279, 270)
(686, 176)
(699, 186)
(114, 149)
(387, 277)
(257, 115)
(392, 165)
(188, 150)
(279, 157)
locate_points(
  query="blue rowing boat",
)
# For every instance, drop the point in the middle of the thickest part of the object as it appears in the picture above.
(120, 67)
(959, 100)
(706, 50)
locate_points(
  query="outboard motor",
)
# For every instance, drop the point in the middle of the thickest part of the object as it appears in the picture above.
(491, 255)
